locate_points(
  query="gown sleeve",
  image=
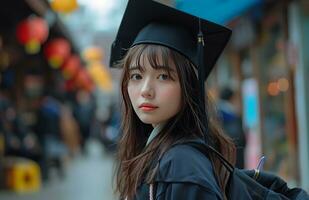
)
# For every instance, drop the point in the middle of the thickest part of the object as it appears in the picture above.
(185, 191)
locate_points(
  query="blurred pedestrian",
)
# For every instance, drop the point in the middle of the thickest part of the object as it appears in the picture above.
(49, 135)
(84, 115)
(164, 106)
(232, 123)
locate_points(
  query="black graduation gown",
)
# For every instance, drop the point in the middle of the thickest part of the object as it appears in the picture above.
(184, 173)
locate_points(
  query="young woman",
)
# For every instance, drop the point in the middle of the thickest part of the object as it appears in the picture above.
(163, 110)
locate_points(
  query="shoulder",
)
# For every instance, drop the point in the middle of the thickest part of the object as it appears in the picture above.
(184, 163)
(180, 155)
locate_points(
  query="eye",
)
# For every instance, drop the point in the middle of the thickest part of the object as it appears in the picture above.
(164, 77)
(135, 77)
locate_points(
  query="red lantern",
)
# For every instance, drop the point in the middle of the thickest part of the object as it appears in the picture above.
(83, 80)
(32, 32)
(57, 51)
(71, 67)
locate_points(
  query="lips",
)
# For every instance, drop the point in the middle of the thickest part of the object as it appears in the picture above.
(147, 107)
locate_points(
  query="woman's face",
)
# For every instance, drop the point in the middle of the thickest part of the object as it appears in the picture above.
(155, 95)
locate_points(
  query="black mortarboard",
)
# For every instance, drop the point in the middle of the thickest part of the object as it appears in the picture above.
(147, 21)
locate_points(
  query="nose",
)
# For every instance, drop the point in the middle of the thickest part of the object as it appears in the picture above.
(147, 90)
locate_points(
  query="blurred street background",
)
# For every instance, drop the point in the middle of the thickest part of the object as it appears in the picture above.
(60, 102)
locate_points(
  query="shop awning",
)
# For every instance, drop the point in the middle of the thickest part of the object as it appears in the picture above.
(218, 11)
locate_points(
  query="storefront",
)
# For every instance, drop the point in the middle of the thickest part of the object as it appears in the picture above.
(298, 33)
(259, 65)
(276, 93)
(32, 92)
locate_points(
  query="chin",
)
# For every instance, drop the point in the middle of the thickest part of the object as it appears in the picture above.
(149, 120)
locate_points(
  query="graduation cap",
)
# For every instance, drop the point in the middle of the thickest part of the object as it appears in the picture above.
(150, 22)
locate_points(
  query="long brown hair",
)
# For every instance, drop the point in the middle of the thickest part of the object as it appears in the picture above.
(135, 161)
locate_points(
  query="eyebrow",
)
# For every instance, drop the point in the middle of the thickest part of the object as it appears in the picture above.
(158, 67)
(165, 68)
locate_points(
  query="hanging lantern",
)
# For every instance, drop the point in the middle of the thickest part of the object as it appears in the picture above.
(93, 54)
(32, 32)
(57, 51)
(101, 76)
(64, 6)
(83, 81)
(71, 67)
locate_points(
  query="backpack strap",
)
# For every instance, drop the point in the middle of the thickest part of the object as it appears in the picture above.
(205, 149)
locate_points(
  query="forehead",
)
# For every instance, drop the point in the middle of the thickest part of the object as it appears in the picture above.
(152, 56)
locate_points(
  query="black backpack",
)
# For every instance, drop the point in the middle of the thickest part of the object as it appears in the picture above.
(252, 184)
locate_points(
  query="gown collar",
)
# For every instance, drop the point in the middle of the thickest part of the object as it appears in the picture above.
(156, 130)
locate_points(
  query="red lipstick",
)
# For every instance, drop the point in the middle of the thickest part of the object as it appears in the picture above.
(147, 107)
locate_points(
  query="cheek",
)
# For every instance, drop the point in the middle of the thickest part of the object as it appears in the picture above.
(172, 95)
(133, 92)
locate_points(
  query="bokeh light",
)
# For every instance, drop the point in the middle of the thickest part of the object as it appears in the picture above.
(273, 89)
(283, 84)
